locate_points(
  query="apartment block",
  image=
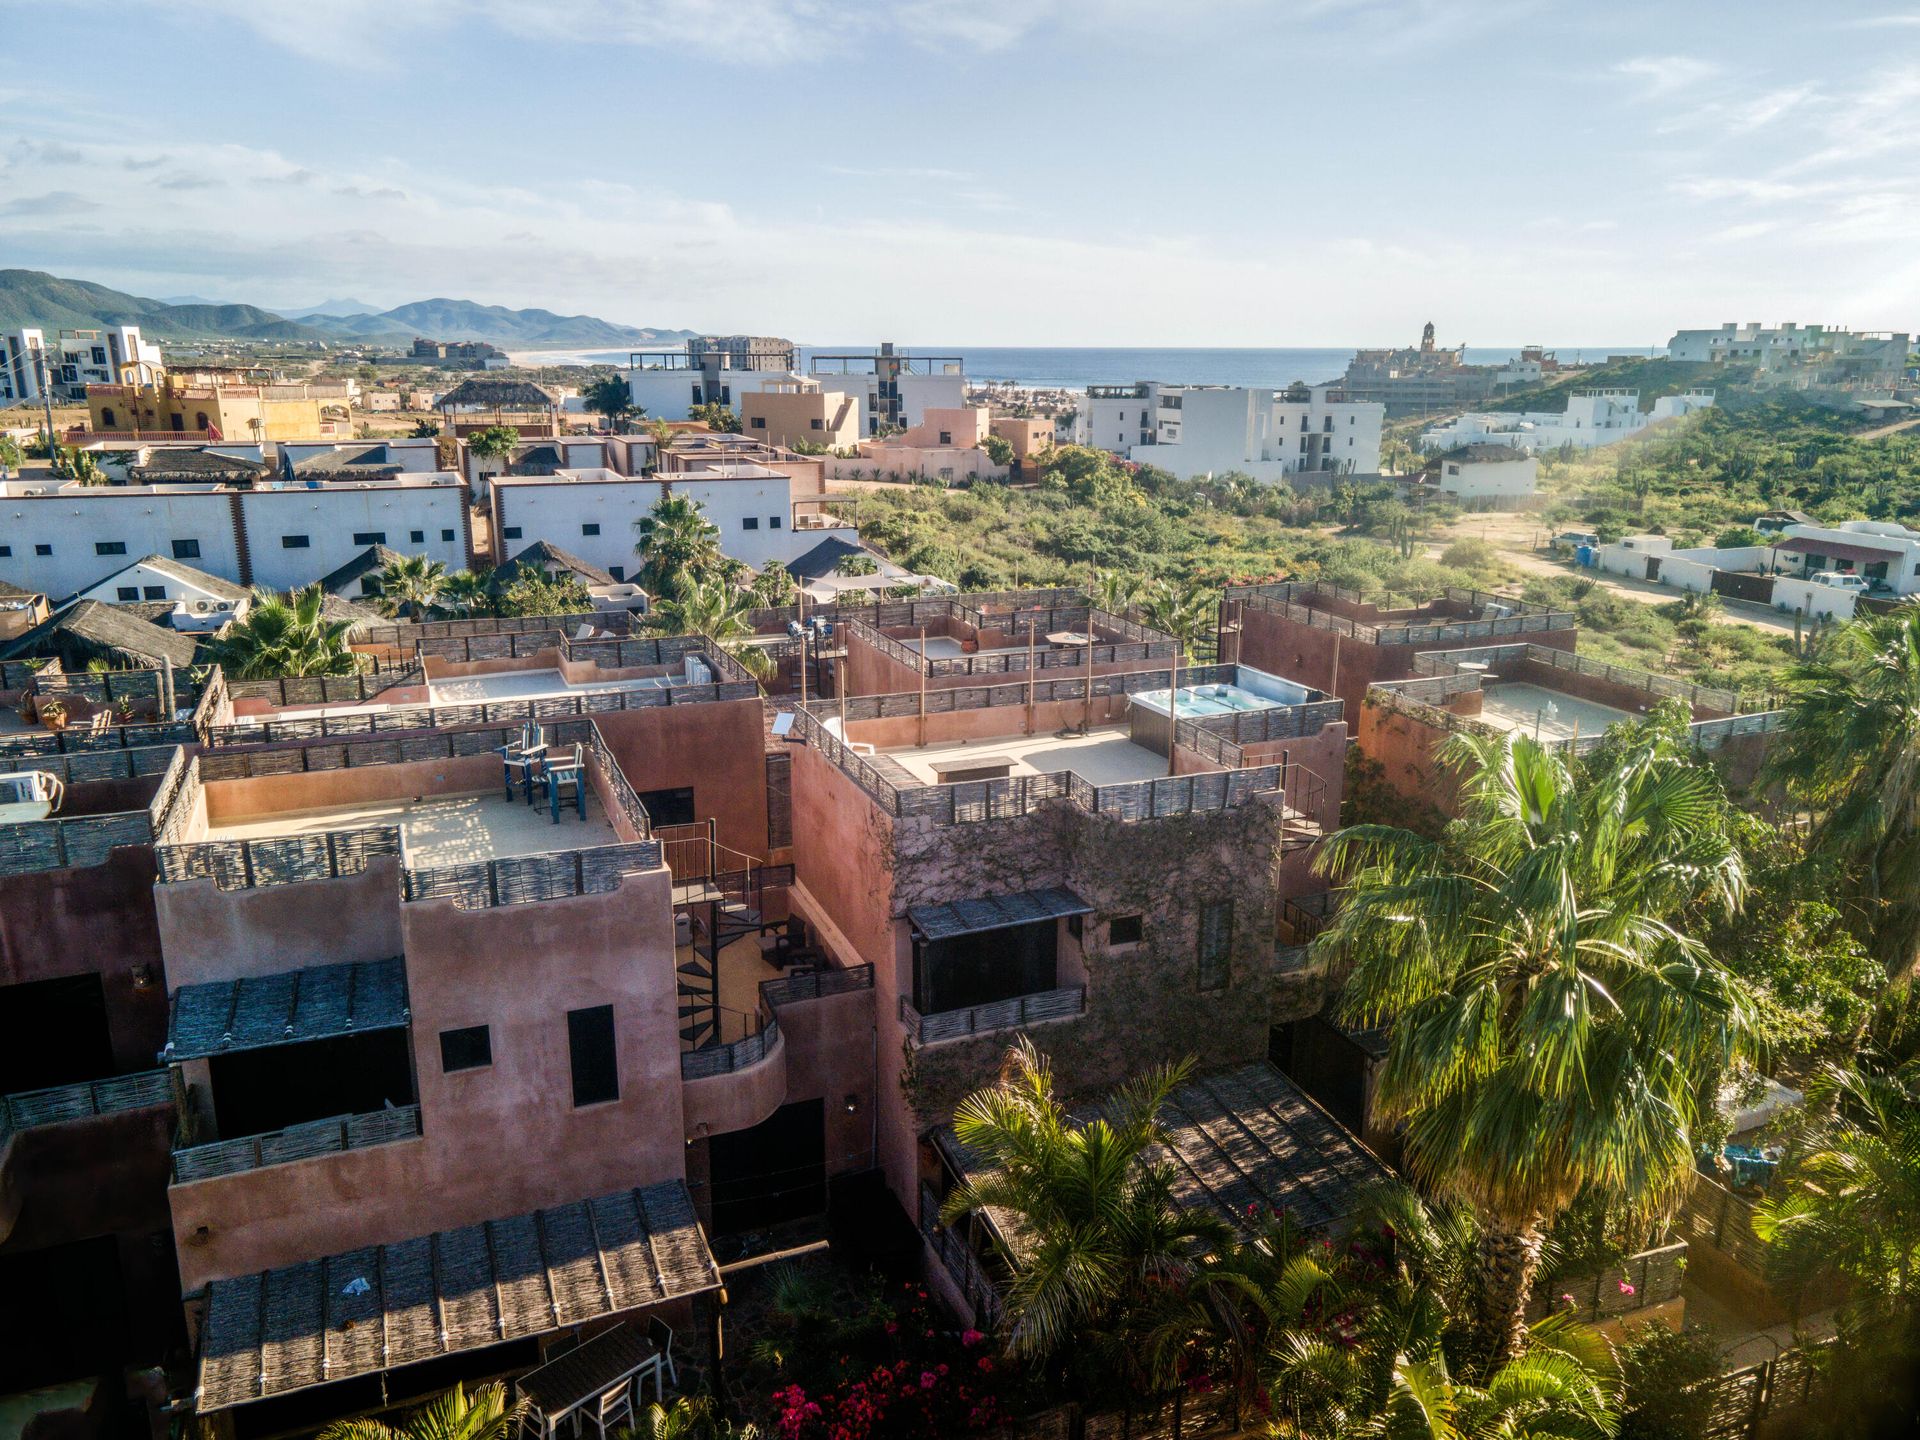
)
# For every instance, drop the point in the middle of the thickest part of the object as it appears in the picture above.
(790, 412)
(1872, 356)
(894, 389)
(1592, 418)
(716, 370)
(1199, 430)
(212, 406)
(72, 360)
(62, 537)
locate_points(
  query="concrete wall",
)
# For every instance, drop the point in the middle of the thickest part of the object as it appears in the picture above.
(1817, 601)
(719, 749)
(212, 934)
(332, 517)
(497, 1140)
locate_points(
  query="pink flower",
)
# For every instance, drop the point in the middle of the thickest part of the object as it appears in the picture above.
(986, 1365)
(893, 1327)
(970, 1338)
(1567, 1300)
(1625, 1288)
(926, 1379)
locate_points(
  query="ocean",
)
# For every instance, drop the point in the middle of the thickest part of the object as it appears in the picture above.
(1075, 368)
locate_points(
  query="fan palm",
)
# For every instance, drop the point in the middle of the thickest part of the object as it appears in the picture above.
(410, 585)
(1850, 753)
(1853, 1206)
(1086, 1223)
(1553, 1027)
(285, 635)
(484, 1415)
(1117, 591)
(718, 611)
(465, 594)
(609, 396)
(676, 541)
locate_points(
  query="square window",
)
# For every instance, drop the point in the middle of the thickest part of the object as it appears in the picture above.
(750, 522)
(43, 549)
(155, 592)
(417, 537)
(369, 537)
(596, 1075)
(470, 1048)
(109, 547)
(186, 549)
(126, 592)
(590, 528)
(758, 422)
(511, 532)
(5, 551)
(619, 572)
(669, 807)
(816, 424)
(293, 542)
(1124, 930)
(446, 534)
(773, 522)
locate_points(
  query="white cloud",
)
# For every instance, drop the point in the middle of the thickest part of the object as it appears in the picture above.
(1662, 75)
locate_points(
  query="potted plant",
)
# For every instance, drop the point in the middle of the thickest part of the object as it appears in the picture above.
(53, 715)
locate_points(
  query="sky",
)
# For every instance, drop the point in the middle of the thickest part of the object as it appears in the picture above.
(1001, 172)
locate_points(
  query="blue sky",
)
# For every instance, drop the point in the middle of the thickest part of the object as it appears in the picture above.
(1090, 172)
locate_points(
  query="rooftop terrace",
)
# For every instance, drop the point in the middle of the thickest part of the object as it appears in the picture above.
(1456, 615)
(440, 830)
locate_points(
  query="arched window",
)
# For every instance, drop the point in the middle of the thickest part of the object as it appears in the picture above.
(106, 417)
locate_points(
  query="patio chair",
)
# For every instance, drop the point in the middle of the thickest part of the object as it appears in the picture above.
(518, 765)
(661, 1334)
(567, 778)
(615, 1406)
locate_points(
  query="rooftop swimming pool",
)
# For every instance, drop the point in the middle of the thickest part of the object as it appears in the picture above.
(1252, 690)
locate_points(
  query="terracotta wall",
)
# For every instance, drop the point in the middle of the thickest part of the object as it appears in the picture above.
(94, 920)
(212, 934)
(102, 1175)
(259, 795)
(497, 1140)
(739, 1099)
(831, 1053)
(1407, 749)
(717, 748)
(1001, 720)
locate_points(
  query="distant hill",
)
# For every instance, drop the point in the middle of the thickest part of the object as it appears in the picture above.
(33, 297)
(330, 307)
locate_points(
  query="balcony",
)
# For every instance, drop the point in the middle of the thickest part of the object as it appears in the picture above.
(998, 1015)
(296, 1142)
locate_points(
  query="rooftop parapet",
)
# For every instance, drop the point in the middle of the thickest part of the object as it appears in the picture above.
(1459, 614)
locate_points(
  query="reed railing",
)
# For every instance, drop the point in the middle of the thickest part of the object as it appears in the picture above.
(736, 1055)
(528, 879)
(998, 1015)
(296, 1142)
(59, 1104)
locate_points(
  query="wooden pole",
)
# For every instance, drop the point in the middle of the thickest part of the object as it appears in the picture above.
(801, 601)
(923, 686)
(1030, 630)
(1173, 708)
(1086, 717)
(1333, 685)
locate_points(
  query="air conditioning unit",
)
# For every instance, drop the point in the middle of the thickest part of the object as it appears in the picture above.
(202, 607)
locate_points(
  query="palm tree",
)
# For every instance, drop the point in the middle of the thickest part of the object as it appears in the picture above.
(610, 397)
(1552, 1027)
(1566, 1387)
(1852, 1209)
(1185, 614)
(486, 1415)
(662, 436)
(465, 594)
(426, 429)
(285, 635)
(1850, 754)
(410, 585)
(494, 443)
(676, 541)
(1117, 591)
(716, 610)
(1087, 1226)
(773, 585)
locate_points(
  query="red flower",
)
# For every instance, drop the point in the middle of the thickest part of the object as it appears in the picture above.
(985, 1363)
(927, 1379)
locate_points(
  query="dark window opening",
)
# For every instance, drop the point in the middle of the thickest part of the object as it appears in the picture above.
(369, 537)
(126, 592)
(186, 549)
(750, 522)
(773, 522)
(417, 537)
(669, 807)
(469, 1048)
(1124, 930)
(293, 542)
(596, 1077)
(106, 417)
(619, 572)
(771, 1173)
(446, 534)
(511, 532)
(592, 527)
(43, 549)
(53, 1032)
(154, 592)
(986, 966)
(109, 547)
(256, 1092)
(1216, 944)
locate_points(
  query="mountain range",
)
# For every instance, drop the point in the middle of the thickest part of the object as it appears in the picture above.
(35, 298)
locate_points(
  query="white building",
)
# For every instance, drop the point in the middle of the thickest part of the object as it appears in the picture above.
(60, 538)
(74, 359)
(894, 389)
(710, 370)
(1592, 418)
(1488, 472)
(591, 513)
(1196, 430)
(1860, 354)
(201, 602)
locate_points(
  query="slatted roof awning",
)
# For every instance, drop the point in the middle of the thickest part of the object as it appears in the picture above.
(1240, 1138)
(1836, 549)
(386, 1306)
(995, 912)
(318, 1003)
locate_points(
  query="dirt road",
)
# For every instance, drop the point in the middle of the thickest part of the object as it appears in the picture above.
(1515, 535)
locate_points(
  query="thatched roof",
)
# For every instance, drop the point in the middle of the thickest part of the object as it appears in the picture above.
(365, 462)
(548, 558)
(387, 1306)
(166, 465)
(824, 558)
(483, 394)
(119, 634)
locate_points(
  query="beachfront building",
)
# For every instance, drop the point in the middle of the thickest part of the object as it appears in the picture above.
(1200, 430)
(591, 513)
(1419, 380)
(72, 360)
(1592, 418)
(708, 370)
(1872, 357)
(61, 537)
(1030, 436)
(894, 389)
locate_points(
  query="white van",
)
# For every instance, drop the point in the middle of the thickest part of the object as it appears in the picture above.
(1840, 580)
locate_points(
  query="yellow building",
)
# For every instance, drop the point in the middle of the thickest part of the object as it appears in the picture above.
(208, 405)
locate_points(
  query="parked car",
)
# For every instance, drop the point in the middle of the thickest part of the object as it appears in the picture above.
(1840, 580)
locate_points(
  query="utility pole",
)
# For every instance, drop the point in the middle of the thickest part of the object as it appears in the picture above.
(41, 374)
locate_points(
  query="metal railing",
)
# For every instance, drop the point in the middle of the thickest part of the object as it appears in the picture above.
(793, 989)
(998, 1015)
(296, 1142)
(736, 1055)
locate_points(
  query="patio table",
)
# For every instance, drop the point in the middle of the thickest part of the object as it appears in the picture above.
(586, 1372)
